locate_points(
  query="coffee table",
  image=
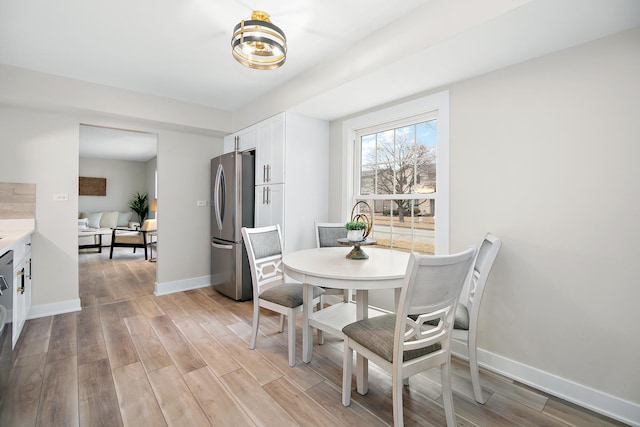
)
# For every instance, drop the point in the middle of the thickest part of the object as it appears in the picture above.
(97, 240)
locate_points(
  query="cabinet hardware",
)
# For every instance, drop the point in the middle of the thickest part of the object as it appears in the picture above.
(21, 288)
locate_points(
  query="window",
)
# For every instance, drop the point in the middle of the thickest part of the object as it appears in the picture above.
(400, 169)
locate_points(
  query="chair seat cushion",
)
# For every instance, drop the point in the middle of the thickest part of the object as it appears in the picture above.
(462, 318)
(134, 238)
(461, 321)
(377, 334)
(288, 294)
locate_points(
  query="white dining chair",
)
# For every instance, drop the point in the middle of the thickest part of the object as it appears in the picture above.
(405, 344)
(327, 235)
(264, 250)
(468, 309)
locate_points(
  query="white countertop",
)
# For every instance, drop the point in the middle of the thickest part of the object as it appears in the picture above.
(14, 230)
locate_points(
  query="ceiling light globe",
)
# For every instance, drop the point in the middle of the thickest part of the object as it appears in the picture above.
(259, 44)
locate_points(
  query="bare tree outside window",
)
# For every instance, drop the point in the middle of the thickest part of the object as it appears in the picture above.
(401, 161)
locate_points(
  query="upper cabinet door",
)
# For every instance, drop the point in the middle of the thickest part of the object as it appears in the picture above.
(246, 140)
(270, 150)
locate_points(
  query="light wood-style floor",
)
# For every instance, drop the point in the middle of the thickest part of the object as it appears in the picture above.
(131, 358)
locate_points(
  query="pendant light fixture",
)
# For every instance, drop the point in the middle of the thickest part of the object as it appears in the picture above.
(259, 44)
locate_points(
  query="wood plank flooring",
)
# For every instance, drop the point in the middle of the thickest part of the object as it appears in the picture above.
(130, 358)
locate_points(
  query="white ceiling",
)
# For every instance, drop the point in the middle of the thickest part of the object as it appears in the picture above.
(344, 56)
(179, 49)
(117, 144)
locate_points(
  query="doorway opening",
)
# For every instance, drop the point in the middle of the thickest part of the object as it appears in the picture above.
(122, 164)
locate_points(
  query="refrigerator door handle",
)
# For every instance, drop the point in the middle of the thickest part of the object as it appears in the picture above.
(219, 199)
(219, 246)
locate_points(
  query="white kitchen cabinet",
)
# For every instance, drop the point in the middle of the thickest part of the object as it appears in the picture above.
(270, 159)
(246, 140)
(293, 153)
(269, 207)
(21, 285)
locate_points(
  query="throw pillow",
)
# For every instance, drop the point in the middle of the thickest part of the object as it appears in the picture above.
(124, 218)
(109, 219)
(94, 218)
(83, 223)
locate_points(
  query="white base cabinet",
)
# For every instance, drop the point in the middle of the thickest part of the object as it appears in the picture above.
(21, 286)
(292, 175)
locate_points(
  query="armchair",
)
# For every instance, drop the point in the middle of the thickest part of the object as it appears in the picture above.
(128, 238)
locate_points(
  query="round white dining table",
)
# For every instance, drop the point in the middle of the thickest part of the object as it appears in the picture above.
(328, 267)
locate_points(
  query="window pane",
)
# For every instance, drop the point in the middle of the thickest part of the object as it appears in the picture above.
(426, 135)
(401, 162)
(367, 180)
(368, 149)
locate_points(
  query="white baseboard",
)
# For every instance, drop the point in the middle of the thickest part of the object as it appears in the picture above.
(182, 285)
(595, 400)
(44, 310)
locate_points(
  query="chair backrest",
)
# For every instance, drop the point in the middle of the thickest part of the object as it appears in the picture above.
(430, 291)
(264, 250)
(149, 225)
(471, 295)
(328, 233)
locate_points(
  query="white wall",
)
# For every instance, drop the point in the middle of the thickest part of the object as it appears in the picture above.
(184, 236)
(544, 154)
(124, 179)
(42, 148)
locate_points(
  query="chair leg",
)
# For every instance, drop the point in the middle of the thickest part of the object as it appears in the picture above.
(111, 253)
(347, 372)
(281, 323)
(319, 307)
(145, 252)
(447, 394)
(475, 371)
(396, 393)
(292, 338)
(256, 323)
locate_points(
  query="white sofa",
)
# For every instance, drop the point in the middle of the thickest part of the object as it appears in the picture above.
(102, 223)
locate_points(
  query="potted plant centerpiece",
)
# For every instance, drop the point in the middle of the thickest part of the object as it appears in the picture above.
(355, 230)
(140, 205)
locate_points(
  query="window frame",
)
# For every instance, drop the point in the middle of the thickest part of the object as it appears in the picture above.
(438, 103)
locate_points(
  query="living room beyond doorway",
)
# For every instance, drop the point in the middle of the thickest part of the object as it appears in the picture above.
(124, 161)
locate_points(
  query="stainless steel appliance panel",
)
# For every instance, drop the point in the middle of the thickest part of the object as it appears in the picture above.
(232, 207)
(230, 271)
(232, 185)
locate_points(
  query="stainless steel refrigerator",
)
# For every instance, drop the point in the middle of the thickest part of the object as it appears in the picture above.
(232, 207)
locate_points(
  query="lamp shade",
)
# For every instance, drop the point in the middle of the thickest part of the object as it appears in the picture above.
(259, 44)
(154, 205)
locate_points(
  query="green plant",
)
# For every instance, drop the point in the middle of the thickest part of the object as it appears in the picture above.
(140, 205)
(355, 225)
